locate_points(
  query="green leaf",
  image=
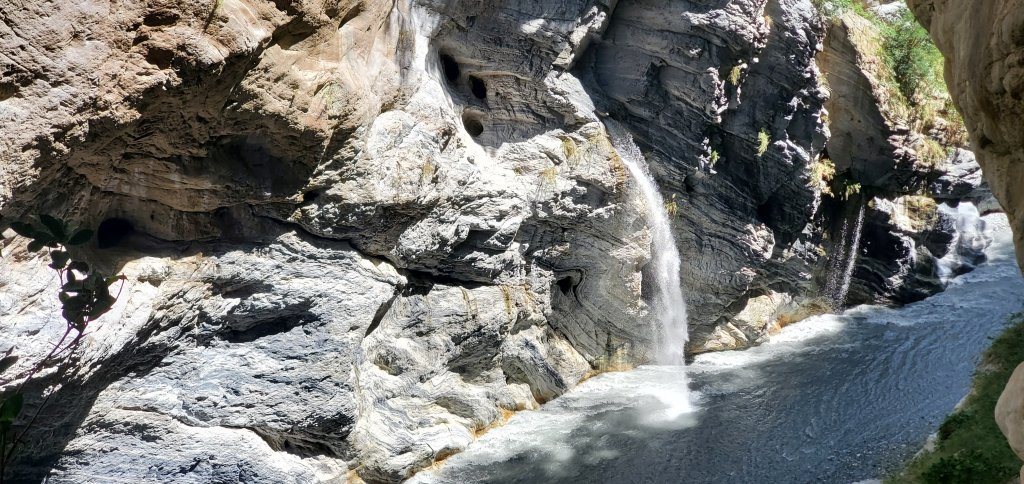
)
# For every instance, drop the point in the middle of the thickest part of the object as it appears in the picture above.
(60, 259)
(73, 286)
(96, 282)
(73, 317)
(103, 305)
(77, 303)
(11, 407)
(80, 237)
(7, 362)
(56, 227)
(79, 266)
(111, 280)
(23, 229)
(36, 245)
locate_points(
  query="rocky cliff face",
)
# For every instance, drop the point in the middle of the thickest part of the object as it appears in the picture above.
(982, 45)
(984, 51)
(357, 233)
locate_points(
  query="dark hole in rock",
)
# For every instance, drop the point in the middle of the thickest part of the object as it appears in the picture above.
(690, 184)
(450, 67)
(160, 57)
(477, 86)
(310, 196)
(140, 38)
(160, 18)
(765, 211)
(262, 329)
(473, 126)
(12, 81)
(112, 231)
(984, 142)
(565, 285)
(7, 90)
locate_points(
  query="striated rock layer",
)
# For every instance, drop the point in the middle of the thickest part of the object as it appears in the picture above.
(358, 233)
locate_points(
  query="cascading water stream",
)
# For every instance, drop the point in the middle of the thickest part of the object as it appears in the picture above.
(844, 260)
(669, 306)
(967, 248)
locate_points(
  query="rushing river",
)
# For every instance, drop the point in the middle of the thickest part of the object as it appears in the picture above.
(836, 398)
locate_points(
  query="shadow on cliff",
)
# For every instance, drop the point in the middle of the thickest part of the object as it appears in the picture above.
(65, 414)
(67, 408)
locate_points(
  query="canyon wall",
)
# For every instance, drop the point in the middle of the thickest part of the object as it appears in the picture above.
(983, 44)
(356, 234)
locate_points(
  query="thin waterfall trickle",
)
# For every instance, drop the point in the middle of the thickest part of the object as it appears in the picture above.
(844, 258)
(669, 306)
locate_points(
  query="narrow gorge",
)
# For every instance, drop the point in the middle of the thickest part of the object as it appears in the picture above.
(369, 241)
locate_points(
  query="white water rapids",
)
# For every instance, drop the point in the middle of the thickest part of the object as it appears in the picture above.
(668, 304)
(969, 244)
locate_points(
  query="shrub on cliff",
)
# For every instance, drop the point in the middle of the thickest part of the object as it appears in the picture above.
(912, 77)
(915, 61)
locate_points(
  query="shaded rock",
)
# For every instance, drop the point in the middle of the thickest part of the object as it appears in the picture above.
(866, 120)
(912, 248)
(960, 178)
(1010, 411)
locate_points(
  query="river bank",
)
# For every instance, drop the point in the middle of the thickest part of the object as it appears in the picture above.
(969, 446)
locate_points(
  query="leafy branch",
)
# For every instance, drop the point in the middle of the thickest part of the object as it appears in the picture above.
(84, 295)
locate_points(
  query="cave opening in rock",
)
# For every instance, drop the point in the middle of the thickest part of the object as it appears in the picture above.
(112, 232)
(161, 18)
(477, 87)
(765, 211)
(565, 285)
(160, 57)
(473, 126)
(450, 68)
(310, 196)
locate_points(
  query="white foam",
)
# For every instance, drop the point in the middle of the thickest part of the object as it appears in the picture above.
(791, 339)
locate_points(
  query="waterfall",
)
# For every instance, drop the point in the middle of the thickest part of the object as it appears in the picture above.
(971, 238)
(844, 258)
(668, 305)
